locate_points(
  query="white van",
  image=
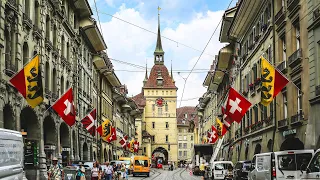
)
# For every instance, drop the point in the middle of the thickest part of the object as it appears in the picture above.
(11, 155)
(313, 169)
(280, 165)
(219, 169)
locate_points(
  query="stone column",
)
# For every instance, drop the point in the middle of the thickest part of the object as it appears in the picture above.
(13, 47)
(58, 149)
(71, 144)
(42, 155)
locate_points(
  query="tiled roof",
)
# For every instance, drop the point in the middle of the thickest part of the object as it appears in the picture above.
(140, 100)
(167, 80)
(192, 115)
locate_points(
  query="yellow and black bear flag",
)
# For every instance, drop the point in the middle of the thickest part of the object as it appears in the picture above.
(272, 82)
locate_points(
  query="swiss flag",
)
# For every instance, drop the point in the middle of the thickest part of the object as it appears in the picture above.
(236, 106)
(123, 141)
(227, 121)
(113, 135)
(65, 107)
(89, 122)
(212, 135)
(136, 146)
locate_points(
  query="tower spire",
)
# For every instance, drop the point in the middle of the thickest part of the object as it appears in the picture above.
(158, 52)
(172, 73)
(146, 75)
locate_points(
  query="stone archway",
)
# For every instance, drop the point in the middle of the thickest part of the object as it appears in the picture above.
(65, 143)
(50, 139)
(161, 155)
(30, 124)
(91, 153)
(246, 153)
(292, 143)
(110, 155)
(74, 140)
(257, 149)
(269, 145)
(8, 118)
(85, 152)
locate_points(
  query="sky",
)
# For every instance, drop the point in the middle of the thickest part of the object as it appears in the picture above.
(189, 23)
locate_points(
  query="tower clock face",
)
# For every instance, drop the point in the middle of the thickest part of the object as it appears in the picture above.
(160, 102)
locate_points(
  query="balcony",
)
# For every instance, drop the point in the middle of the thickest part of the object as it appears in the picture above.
(48, 44)
(55, 53)
(295, 58)
(10, 68)
(12, 4)
(54, 96)
(27, 21)
(47, 93)
(37, 32)
(317, 91)
(293, 7)
(283, 124)
(283, 67)
(280, 17)
(297, 119)
(66, 63)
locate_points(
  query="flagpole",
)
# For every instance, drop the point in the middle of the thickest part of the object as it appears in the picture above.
(282, 74)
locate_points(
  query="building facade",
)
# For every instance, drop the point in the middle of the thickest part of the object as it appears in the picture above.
(187, 120)
(70, 46)
(159, 97)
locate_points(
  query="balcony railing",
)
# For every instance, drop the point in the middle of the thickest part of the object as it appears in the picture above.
(316, 14)
(317, 90)
(283, 124)
(297, 119)
(279, 17)
(10, 68)
(27, 21)
(295, 58)
(283, 66)
(37, 32)
(292, 4)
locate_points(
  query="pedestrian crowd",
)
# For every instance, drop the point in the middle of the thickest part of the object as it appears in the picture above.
(99, 171)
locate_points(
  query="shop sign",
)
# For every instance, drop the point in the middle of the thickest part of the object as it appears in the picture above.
(49, 147)
(258, 138)
(289, 132)
(66, 149)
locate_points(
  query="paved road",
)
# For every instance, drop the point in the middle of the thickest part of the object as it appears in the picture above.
(159, 174)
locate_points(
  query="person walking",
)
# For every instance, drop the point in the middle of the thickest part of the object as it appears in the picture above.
(123, 171)
(108, 172)
(95, 172)
(80, 172)
(55, 171)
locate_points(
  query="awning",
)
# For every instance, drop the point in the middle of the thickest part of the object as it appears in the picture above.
(83, 7)
(94, 37)
(226, 23)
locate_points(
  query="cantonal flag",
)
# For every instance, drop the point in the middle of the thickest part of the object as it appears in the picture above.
(113, 135)
(89, 122)
(105, 130)
(272, 82)
(124, 142)
(221, 128)
(28, 81)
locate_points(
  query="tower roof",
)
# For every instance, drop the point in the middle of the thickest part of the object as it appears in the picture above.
(154, 74)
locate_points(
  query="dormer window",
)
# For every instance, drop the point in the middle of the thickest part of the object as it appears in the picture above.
(159, 79)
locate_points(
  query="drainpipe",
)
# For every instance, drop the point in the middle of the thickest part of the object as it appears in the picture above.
(274, 57)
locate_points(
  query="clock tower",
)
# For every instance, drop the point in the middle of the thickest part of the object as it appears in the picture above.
(159, 101)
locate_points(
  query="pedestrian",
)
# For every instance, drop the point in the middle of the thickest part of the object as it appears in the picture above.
(123, 171)
(55, 171)
(206, 173)
(95, 172)
(202, 167)
(80, 172)
(108, 171)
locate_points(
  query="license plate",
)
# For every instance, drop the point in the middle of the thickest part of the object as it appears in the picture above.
(219, 175)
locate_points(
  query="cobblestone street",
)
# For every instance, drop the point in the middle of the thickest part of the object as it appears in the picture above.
(159, 174)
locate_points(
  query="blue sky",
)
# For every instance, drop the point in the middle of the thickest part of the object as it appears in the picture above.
(190, 23)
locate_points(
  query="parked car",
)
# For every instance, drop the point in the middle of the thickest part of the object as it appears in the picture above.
(279, 165)
(90, 164)
(219, 169)
(241, 170)
(313, 168)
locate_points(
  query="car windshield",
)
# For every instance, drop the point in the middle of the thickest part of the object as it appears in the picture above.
(246, 166)
(141, 163)
(221, 166)
(294, 162)
(127, 162)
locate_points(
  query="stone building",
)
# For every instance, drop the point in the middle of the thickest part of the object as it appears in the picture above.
(159, 99)
(71, 49)
(187, 120)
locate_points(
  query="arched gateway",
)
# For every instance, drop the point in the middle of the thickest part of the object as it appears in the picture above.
(160, 154)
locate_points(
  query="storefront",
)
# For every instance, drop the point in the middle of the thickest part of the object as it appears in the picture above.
(65, 156)
(49, 150)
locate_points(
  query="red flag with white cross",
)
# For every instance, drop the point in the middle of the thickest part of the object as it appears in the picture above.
(113, 135)
(236, 106)
(65, 107)
(89, 122)
(136, 146)
(123, 141)
(212, 135)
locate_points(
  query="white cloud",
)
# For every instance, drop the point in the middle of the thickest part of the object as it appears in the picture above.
(128, 43)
